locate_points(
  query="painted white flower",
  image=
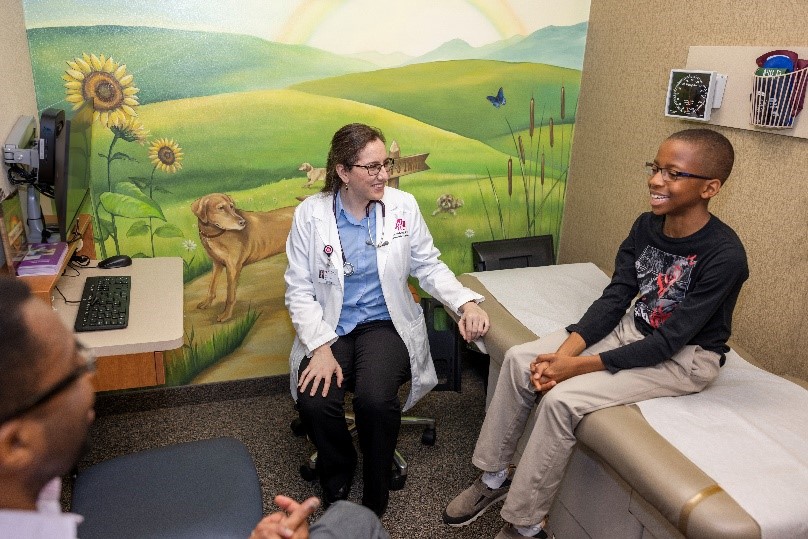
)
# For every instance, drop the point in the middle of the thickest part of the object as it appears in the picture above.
(189, 245)
(469, 233)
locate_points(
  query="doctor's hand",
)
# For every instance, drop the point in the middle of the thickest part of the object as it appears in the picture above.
(321, 368)
(473, 322)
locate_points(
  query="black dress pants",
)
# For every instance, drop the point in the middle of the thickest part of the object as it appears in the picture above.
(375, 363)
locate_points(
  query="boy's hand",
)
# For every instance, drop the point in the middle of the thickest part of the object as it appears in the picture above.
(548, 370)
(570, 349)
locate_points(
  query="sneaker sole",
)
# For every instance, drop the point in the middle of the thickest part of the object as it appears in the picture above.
(478, 514)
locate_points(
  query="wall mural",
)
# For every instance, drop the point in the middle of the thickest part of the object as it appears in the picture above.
(213, 116)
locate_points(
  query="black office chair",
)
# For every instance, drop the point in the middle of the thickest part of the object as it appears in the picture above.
(530, 251)
(445, 346)
(398, 475)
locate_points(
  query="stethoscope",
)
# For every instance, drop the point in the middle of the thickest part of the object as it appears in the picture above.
(347, 267)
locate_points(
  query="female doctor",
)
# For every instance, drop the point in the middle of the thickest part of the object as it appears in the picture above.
(351, 249)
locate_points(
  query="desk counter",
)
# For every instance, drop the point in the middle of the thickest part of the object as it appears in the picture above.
(132, 357)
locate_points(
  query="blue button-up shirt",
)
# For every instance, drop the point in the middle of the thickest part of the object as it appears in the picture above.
(363, 299)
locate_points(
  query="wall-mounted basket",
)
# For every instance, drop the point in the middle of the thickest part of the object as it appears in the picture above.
(777, 99)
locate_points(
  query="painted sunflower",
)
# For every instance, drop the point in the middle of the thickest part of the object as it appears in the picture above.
(166, 155)
(102, 84)
(131, 130)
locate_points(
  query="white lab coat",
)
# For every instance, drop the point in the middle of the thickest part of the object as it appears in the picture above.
(315, 280)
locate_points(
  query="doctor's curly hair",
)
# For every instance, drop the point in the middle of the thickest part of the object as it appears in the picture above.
(346, 144)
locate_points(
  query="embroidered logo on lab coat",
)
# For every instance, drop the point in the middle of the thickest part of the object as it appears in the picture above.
(400, 229)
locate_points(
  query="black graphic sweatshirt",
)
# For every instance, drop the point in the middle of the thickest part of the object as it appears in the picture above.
(687, 291)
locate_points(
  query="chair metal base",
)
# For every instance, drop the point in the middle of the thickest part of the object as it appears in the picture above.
(398, 478)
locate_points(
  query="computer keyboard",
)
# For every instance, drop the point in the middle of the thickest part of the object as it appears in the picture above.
(104, 303)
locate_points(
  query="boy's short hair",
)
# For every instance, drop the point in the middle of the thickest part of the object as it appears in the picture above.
(715, 151)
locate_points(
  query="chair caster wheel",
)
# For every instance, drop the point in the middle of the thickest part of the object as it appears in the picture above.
(397, 480)
(428, 437)
(308, 473)
(297, 427)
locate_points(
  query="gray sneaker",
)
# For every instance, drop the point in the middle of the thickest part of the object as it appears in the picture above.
(508, 531)
(473, 502)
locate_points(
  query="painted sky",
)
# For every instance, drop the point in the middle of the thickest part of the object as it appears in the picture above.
(413, 27)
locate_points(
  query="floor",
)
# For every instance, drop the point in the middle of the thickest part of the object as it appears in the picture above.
(259, 411)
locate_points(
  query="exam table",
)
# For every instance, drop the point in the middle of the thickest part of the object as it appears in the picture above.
(625, 479)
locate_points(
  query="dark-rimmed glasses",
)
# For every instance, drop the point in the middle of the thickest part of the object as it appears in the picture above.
(671, 175)
(88, 365)
(376, 168)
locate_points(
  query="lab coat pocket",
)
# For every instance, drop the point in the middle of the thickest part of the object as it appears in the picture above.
(418, 341)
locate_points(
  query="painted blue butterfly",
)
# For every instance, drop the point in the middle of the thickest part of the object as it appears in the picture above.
(497, 100)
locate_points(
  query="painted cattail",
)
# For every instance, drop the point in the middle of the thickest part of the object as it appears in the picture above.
(563, 100)
(552, 138)
(532, 116)
(521, 150)
(510, 176)
(542, 168)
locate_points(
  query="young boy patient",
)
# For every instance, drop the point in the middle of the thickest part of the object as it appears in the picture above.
(686, 268)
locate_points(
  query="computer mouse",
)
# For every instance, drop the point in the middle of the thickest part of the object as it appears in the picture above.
(116, 261)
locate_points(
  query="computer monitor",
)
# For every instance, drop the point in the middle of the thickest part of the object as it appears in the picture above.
(53, 135)
(64, 166)
(72, 194)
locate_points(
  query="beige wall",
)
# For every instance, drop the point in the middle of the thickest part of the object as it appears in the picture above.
(631, 47)
(17, 82)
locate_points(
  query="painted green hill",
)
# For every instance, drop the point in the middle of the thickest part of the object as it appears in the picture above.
(174, 64)
(249, 139)
(452, 95)
(555, 45)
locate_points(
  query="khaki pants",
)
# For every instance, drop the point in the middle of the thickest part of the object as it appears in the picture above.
(550, 445)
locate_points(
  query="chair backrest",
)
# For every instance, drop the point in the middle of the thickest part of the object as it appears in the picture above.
(526, 252)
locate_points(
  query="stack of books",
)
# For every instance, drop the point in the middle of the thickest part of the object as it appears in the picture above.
(43, 259)
(13, 243)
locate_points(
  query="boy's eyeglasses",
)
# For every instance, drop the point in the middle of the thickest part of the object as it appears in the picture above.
(88, 365)
(375, 169)
(671, 175)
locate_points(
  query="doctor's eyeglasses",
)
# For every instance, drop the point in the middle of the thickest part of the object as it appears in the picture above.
(376, 168)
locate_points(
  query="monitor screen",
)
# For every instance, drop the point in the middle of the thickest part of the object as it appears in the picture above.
(53, 135)
(64, 166)
(77, 185)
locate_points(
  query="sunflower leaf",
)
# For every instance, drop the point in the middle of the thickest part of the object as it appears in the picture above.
(129, 201)
(169, 231)
(138, 228)
(139, 181)
(121, 155)
(106, 229)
